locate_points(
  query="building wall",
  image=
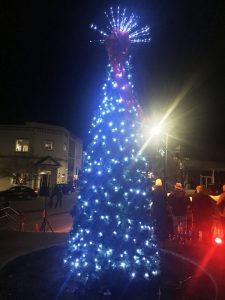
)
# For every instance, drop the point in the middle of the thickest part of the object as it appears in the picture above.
(66, 151)
(8, 136)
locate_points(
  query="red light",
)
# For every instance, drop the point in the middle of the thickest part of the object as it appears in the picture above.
(218, 240)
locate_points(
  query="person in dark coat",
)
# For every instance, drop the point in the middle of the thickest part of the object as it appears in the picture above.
(159, 212)
(221, 209)
(59, 196)
(203, 210)
(179, 202)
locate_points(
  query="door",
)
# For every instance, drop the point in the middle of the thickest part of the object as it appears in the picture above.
(44, 185)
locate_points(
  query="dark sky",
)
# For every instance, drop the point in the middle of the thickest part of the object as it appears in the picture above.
(51, 73)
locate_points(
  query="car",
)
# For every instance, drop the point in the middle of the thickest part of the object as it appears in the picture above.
(20, 192)
(67, 188)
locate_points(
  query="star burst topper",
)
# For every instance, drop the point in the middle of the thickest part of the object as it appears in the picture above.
(123, 31)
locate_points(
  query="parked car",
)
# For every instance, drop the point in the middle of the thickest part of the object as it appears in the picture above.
(20, 192)
(67, 188)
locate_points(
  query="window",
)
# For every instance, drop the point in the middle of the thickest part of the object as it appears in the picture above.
(49, 145)
(22, 145)
(20, 178)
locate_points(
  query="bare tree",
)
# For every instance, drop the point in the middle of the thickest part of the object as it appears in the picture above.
(21, 170)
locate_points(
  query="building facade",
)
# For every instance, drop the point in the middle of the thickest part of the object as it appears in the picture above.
(37, 154)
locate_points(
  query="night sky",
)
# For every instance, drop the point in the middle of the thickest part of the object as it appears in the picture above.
(51, 73)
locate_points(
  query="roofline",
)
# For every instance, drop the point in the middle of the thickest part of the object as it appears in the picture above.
(38, 125)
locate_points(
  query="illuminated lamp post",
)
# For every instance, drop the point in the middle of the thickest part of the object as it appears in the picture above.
(156, 130)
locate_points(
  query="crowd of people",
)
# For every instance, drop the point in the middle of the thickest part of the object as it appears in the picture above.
(179, 217)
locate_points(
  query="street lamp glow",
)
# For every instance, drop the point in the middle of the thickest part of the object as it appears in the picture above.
(157, 129)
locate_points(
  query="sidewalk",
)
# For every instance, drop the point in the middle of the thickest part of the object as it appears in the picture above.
(207, 259)
(14, 244)
(59, 219)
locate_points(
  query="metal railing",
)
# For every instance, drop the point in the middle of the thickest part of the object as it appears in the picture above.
(10, 214)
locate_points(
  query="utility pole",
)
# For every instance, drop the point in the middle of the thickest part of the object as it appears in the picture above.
(166, 160)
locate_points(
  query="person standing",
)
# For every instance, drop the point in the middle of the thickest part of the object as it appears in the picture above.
(59, 196)
(179, 202)
(203, 210)
(53, 192)
(159, 212)
(221, 209)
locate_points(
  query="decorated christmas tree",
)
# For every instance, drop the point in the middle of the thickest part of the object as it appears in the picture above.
(112, 227)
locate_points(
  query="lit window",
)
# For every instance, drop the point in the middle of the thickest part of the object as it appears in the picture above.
(22, 145)
(48, 145)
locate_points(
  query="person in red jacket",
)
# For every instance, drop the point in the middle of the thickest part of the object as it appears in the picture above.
(179, 202)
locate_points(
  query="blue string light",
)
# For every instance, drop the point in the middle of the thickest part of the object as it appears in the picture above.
(112, 226)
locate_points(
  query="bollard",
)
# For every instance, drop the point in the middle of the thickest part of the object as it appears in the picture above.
(36, 227)
(22, 223)
(22, 227)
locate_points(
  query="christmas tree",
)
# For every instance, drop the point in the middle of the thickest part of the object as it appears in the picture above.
(112, 227)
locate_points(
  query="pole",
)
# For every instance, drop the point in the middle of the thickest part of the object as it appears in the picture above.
(166, 160)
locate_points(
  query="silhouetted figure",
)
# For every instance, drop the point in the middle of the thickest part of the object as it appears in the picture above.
(159, 212)
(179, 202)
(203, 210)
(53, 193)
(59, 196)
(221, 209)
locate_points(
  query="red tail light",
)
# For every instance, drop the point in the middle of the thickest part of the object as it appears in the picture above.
(218, 240)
